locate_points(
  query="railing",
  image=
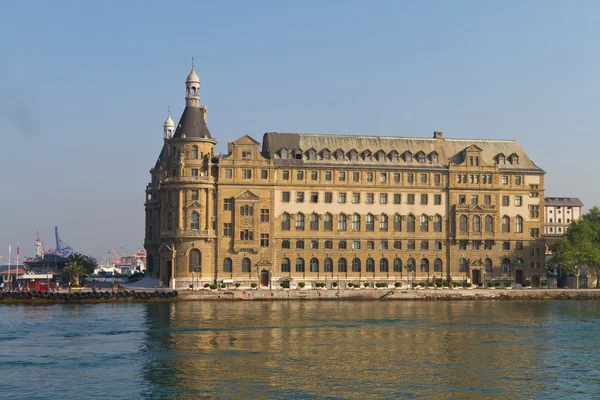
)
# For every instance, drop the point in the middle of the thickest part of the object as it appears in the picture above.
(184, 179)
(475, 207)
(186, 233)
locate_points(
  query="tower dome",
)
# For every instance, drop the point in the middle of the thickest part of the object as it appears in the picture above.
(169, 127)
(192, 89)
(193, 77)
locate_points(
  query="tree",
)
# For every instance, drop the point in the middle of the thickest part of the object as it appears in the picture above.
(74, 271)
(580, 246)
(88, 263)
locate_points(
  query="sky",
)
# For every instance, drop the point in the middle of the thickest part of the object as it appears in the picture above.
(85, 88)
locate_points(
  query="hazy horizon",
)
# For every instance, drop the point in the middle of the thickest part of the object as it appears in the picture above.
(86, 89)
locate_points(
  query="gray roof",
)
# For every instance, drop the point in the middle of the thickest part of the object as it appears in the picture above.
(160, 156)
(448, 150)
(563, 201)
(192, 124)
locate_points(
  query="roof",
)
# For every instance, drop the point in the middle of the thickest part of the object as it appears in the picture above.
(160, 156)
(192, 124)
(563, 201)
(449, 150)
(48, 259)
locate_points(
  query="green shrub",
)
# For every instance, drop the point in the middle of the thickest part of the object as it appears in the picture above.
(422, 284)
(397, 284)
(366, 284)
(253, 285)
(334, 284)
(507, 284)
(491, 284)
(285, 284)
(526, 283)
(415, 284)
(444, 283)
(544, 283)
(237, 284)
(429, 284)
(469, 284)
(438, 284)
(301, 284)
(206, 285)
(497, 284)
(223, 285)
(213, 286)
(480, 284)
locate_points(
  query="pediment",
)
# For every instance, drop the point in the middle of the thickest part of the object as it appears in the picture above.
(194, 204)
(163, 248)
(247, 195)
(474, 147)
(476, 263)
(264, 263)
(246, 139)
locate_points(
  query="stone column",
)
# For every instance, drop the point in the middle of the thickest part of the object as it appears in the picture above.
(209, 209)
(202, 197)
(180, 211)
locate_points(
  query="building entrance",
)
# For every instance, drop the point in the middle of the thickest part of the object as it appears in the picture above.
(264, 278)
(519, 276)
(476, 277)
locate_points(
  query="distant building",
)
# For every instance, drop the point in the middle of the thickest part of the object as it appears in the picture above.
(559, 212)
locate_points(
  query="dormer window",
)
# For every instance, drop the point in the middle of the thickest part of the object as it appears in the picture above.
(433, 157)
(298, 154)
(283, 153)
(367, 156)
(312, 154)
(326, 155)
(514, 159)
(353, 155)
(500, 159)
(421, 157)
(394, 156)
(408, 157)
(340, 155)
(380, 156)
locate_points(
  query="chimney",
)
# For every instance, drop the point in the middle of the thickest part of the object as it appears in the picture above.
(437, 135)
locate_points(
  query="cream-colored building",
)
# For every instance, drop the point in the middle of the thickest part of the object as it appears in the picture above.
(559, 212)
(340, 208)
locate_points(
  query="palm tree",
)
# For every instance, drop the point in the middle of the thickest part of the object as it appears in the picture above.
(74, 270)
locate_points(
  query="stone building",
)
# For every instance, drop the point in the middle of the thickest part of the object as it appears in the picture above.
(324, 208)
(559, 212)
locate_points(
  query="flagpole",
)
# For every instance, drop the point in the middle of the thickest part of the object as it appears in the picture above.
(9, 280)
(17, 268)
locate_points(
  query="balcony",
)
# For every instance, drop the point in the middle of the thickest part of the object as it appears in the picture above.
(185, 234)
(189, 179)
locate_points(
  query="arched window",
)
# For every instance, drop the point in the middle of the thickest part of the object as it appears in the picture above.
(356, 265)
(299, 222)
(397, 223)
(462, 265)
(285, 222)
(506, 265)
(342, 265)
(464, 223)
(410, 223)
(476, 223)
(488, 265)
(505, 224)
(150, 233)
(489, 223)
(169, 221)
(424, 223)
(383, 222)
(437, 265)
(195, 221)
(314, 265)
(314, 222)
(424, 265)
(328, 222)
(410, 265)
(227, 264)
(519, 224)
(195, 261)
(397, 265)
(328, 265)
(342, 222)
(437, 223)
(194, 152)
(285, 265)
(355, 222)
(370, 265)
(246, 264)
(370, 222)
(383, 265)
(300, 265)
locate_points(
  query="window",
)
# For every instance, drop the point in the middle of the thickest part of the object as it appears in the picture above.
(355, 198)
(342, 265)
(505, 224)
(195, 221)
(299, 197)
(421, 157)
(437, 199)
(519, 224)
(328, 222)
(410, 178)
(383, 198)
(505, 246)
(383, 265)
(410, 223)
(383, 223)
(535, 232)
(489, 223)
(328, 175)
(383, 177)
(328, 197)
(367, 156)
(423, 178)
(227, 265)
(169, 221)
(370, 223)
(264, 215)
(518, 201)
(437, 245)
(424, 245)
(246, 234)
(314, 244)
(285, 265)
(314, 222)
(424, 223)
(519, 246)
(195, 264)
(264, 174)
(300, 175)
(505, 200)
(487, 200)
(300, 265)
(394, 156)
(356, 265)
(285, 197)
(370, 198)
(464, 223)
(398, 244)
(356, 245)
(314, 265)
(342, 176)
(397, 198)
(397, 223)
(246, 174)
(194, 152)
(246, 154)
(312, 155)
(506, 265)
(299, 222)
(476, 223)
(370, 265)
(410, 199)
(487, 245)
(383, 245)
(462, 265)
(286, 175)
(342, 197)
(195, 195)
(227, 230)
(246, 210)
(285, 222)
(437, 223)
(194, 171)
(488, 265)
(299, 244)
(228, 173)
(314, 197)
(356, 176)
(462, 245)
(534, 211)
(369, 177)
(285, 244)
(329, 244)
(408, 157)
(328, 265)
(504, 180)
(326, 155)
(396, 177)
(410, 265)
(476, 244)
(246, 265)
(297, 154)
(474, 200)
(437, 265)
(517, 180)
(424, 265)
(342, 222)
(353, 155)
(264, 240)
(355, 222)
(227, 204)
(437, 178)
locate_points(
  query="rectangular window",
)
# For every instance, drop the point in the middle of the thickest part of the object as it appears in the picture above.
(369, 177)
(314, 197)
(535, 232)
(264, 215)
(228, 204)
(299, 244)
(424, 199)
(488, 244)
(355, 198)
(194, 171)
(410, 199)
(342, 245)
(356, 245)
(397, 198)
(487, 200)
(246, 174)
(437, 179)
(285, 175)
(314, 175)
(505, 245)
(519, 245)
(517, 180)
(370, 198)
(383, 177)
(437, 199)
(356, 176)
(246, 154)
(437, 245)
(174, 172)
(341, 197)
(462, 245)
(342, 176)
(534, 211)
(504, 180)
(370, 245)
(474, 200)
(194, 195)
(227, 230)
(300, 175)
(397, 244)
(462, 199)
(383, 199)
(423, 178)
(411, 245)
(505, 200)
(247, 210)
(299, 197)
(285, 197)
(264, 240)
(329, 244)
(476, 244)
(328, 197)
(314, 244)
(518, 201)
(328, 175)
(396, 177)
(410, 178)
(228, 173)
(264, 174)
(383, 245)
(246, 235)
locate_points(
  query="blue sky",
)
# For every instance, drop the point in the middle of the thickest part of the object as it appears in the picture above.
(85, 88)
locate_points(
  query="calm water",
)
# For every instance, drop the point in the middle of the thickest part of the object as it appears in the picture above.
(191, 350)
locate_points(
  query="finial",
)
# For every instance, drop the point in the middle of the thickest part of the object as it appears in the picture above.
(192, 62)
(169, 111)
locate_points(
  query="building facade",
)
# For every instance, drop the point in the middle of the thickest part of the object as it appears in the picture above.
(559, 212)
(324, 208)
